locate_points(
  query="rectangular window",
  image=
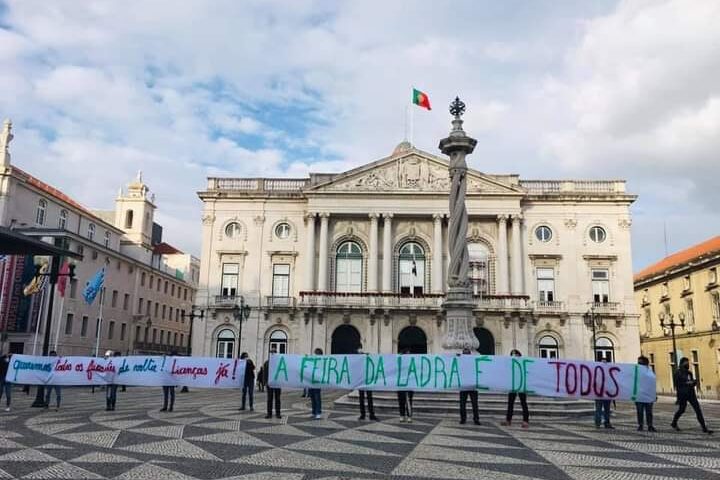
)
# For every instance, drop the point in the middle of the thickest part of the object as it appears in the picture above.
(230, 273)
(172, 290)
(412, 276)
(175, 339)
(182, 339)
(69, 324)
(162, 337)
(281, 280)
(73, 288)
(142, 279)
(695, 363)
(652, 362)
(126, 301)
(147, 309)
(114, 299)
(648, 322)
(712, 276)
(185, 294)
(111, 329)
(664, 290)
(157, 309)
(154, 337)
(123, 331)
(84, 326)
(715, 305)
(137, 333)
(689, 313)
(546, 284)
(182, 316)
(163, 311)
(600, 285)
(166, 287)
(170, 312)
(686, 283)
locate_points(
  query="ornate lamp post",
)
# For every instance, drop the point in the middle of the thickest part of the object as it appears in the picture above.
(593, 320)
(459, 303)
(241, 313)
(664, 323)
(192, 316)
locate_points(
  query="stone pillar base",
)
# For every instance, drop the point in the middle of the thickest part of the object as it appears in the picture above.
(458, 309)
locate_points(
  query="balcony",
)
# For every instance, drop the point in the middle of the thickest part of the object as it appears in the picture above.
(226, 301)
(558, 187)
(545, 307)
(279, 302)
(148, 348)
(364, 300)
(606, 308)
(501, 303)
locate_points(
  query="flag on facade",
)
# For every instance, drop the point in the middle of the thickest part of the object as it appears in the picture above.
(38, 282)
(93, 287)
(421, 99)
(63, 278)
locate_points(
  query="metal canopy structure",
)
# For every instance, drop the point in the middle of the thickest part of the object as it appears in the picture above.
(14, 243)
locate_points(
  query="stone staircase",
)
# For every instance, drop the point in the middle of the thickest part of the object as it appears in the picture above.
(447, 403)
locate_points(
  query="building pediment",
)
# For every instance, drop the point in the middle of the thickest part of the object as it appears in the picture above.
(413, 171)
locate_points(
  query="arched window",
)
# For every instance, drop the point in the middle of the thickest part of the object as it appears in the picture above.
(411, 269)
(91, 231)
(348, 268)
(479, 254)
(62, 219)
(129, 219)
(548, 347)
(232, 230)
(604, 350)
(279, 340)
(41, 212)
(225, 344)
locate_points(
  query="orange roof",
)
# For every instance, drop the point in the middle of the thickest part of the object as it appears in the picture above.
(680, 258)
(52, 191)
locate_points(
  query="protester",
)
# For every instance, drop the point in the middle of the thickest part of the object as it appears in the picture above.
(111, 392)
(58, 392)
(273, 394)
(5, 387)
(602, 411)
(405, 400)
(473, 394)
(511, 401)
(644, 409)
(169, 394)
(248, 382)
(363, 395)
(685, 385)
(315, 396)
(260, 379)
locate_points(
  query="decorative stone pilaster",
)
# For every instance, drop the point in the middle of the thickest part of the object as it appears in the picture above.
(310, 253)
(387, 253)
(323, 253)
(503, 286)
(373, 254)
(437, 254)
(516, 257)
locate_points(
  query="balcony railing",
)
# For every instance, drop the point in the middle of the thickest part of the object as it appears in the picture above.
(549, 307)
(370, 300)
(501, 302)
(257, 184)
(149, 347)
(606, 308)
(279, 302)
(543, 187)
(226, 300)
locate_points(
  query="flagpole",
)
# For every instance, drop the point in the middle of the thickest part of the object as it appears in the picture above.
(99, 324)
(39, 319)
(412, 125)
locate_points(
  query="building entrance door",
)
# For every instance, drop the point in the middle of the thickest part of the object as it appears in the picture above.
(486, 339)
(345, 340)
(412, 339)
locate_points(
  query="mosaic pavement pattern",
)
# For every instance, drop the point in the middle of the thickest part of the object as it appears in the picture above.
(206, 437)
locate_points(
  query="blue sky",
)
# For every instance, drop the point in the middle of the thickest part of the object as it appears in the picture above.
(182, 90)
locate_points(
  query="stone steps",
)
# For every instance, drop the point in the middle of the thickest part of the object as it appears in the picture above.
(489, 403)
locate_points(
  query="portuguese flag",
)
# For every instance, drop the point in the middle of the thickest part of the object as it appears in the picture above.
(421, 99)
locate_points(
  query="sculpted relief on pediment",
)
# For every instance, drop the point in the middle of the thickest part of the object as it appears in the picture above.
(412, 173)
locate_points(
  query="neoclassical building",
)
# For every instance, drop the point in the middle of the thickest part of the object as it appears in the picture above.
(360, 258)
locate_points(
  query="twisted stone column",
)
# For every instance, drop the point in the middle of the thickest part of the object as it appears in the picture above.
(459, 302)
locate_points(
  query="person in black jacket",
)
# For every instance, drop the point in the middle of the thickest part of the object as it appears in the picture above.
(366, 394)
(273, 394)
(5, 387)
(316, 395)
(405, 399)
(511, 401)
(685, 386)
(248, 382)
(473, 394)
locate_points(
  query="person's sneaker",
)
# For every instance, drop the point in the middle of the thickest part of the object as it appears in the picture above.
(362, 417)
(525, 425)
(268, 416)
(318, 417)
(409, 419)
(609, 427)
(163, 409)
(506, 423)
(170, 409)
(640, 428)
(708, 431)
(242, 409)
(7, 409)
(402, 420)
(651, 429)
(462, 422)
(675, 427)
(476, 422)
(278, 416)
(373, 417)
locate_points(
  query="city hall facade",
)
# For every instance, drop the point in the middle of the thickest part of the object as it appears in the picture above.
(359, 260)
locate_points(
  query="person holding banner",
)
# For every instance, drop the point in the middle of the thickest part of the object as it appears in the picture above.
(315, 396)
(111, 392)
(405, 400)
(685, 385)
(58, 394)
(5, 386)
(366, 394)
(473, 394)
(260, 379)
(511, 401)
(602, 411)
(644, 409)
(169, 393)
(248, 381)
(273, 394)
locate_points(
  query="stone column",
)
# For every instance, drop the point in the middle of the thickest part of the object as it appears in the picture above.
(310, 253)
(516, 257)
(437, 262)
(387, 253)
(373, 254)
(502, 254)
(323, 253)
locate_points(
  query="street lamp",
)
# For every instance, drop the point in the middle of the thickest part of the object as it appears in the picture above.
(192, 316)
(241, 312)
(593, 320)
(672, 325)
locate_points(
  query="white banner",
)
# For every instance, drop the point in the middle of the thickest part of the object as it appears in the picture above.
(149, 371)
(537, 376)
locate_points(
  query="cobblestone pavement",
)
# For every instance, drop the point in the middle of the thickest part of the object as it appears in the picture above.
(206, 437)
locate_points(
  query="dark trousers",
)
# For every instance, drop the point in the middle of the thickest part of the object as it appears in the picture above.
(473, 394)
(602, 412)
(405, 400)
(315, 400)
(644, 410)
(682, 405)
(6, 389)
(248, 391)
(523, 405)
(111, 396)
(58, 395)
(371, 407)
(168, 394)
(273, 396)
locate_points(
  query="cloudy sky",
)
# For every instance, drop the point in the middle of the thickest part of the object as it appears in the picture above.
(555, 89)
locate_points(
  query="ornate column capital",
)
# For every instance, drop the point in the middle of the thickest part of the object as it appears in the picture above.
(516, 217)
(438, 217)
(324, 215)
(208, 219)
(310, 216)
(373, 216)
(388, 215)
(502, 218)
